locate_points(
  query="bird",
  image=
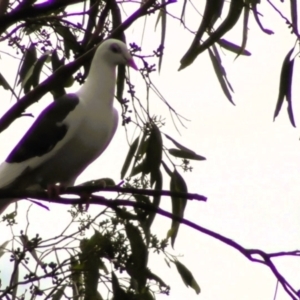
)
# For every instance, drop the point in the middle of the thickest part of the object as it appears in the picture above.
(71, 132)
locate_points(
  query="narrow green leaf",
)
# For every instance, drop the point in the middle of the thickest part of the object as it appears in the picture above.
(119, 293)
(218, 57)
(70, 41)
(163, 12)
(153, 276)
(138, 169)
(187, 276)
(59, 293)
(58, 91)
(139, 257)
(4, 83)
(35, 77)
(178, 145)
(156, 200)
(220, 75)
(2, 248)
(285, 86)
(235, 10)
(186, 154)
(27, 64)
(289, 93)
(153, 154)
(233, 47)
(245, 29)
(168, 171)
(137, 245)
(129, 157)
(140, 152)
(177, 184)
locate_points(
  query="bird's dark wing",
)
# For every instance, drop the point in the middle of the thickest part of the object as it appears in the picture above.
(47, 130)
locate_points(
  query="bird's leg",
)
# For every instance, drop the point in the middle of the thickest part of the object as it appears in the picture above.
(54, 190)
(85, 197)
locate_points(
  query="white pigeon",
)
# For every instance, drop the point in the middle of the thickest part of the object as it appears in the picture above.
(71, 132)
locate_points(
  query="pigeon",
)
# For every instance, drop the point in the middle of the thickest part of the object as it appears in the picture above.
(71, 132)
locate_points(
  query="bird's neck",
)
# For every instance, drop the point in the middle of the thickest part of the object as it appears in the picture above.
(99, 87)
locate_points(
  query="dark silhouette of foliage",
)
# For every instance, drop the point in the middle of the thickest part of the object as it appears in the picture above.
(113, 261)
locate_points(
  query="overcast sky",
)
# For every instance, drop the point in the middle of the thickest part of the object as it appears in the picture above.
(251, 176)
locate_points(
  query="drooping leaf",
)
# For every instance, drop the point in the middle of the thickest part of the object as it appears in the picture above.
(187, 276)
(156, 200)
(177, 184)
(4, 83)
(235, 10)
(219, 70)
(177, 144)
(142, 148)
(139, 168)
(169, 172)
(27, 67)
(289, 93)
(233, 47)
(186, 154)
(153, 154)
(285, 86)
(35, 77)
(212, 11)
(139, 257)
(137, 245)
(28, 61)
(129, 157)
(2, 248)
(59, 293)
(119, 293)
(245, 29)
(153, 276)
(163, 13)
(70, 41)
(59, 90)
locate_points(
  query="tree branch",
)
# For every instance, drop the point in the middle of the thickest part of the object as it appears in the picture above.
(79, 190)
(250, 254)
(23, 12)
(64, 72)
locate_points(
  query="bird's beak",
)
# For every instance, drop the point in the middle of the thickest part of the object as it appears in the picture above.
(132, 64)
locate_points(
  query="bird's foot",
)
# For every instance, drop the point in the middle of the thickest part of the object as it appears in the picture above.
(85, 198)
(54, 190)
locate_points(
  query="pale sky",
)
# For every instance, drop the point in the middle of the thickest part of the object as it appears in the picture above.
(251, 176)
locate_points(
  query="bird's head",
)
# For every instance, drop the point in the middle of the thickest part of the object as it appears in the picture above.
(115, 52)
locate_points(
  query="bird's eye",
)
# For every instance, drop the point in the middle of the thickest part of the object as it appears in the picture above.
(114, 48)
